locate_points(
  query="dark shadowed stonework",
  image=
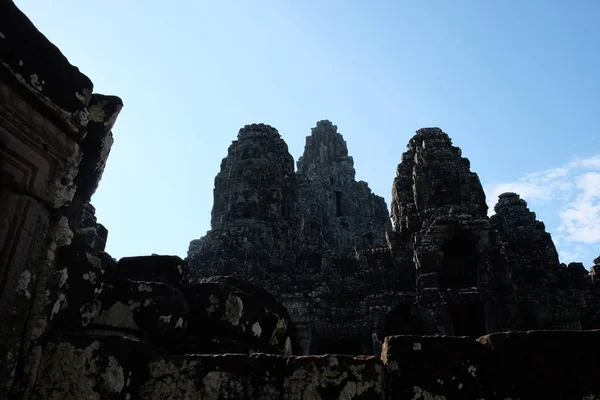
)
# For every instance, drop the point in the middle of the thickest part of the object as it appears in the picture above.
(444, 267)
(315, 238)
(440, 215)
(338, 213)
(254, 221)
(295, 263)
(548, 295)
(55, 135)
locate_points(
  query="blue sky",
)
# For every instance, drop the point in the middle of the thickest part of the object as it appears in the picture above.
(514, 83)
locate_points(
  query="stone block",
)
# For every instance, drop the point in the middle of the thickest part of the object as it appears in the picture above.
(212, 377)
(544, 364)
(209, 344)
(86, 272)
(433, 367)
(262, 376)
(98, 141)
(220, 310)
(332, 377)
(155, 268)
(42, 69)
(94, 236)
(93, 367)
(267, 298)
(155, 311)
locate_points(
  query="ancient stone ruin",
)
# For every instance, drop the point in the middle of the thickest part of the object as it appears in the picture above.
(304, 287)
(348, 278)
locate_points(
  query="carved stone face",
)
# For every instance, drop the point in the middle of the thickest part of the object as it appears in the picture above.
(254, 182)
(244, 204)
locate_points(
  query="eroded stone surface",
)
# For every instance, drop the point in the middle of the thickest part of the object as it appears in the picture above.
(224, 308)
(46, 73)
(83, 274)
(337, 212)
(434, 367)
(439, 212)
(544, 364)
(549, 295)
(155, 311)
(44, 120)
(333, 377)
(92, 368)
(262, 376)
(412, 367)
(592, 318)
(92, 233)
(254, 216)
(155, 268)
(18, 274)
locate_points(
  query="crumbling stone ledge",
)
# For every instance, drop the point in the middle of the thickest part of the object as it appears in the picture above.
(508, 365)
(511, 365)
(263, 376)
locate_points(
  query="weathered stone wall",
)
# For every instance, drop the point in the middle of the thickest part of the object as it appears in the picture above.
(435, 367)
(148, 299)
(342, 304)
(440, 214)
(591, 319)
(262, 376)
(55, 135)
(523, 365)
(511, 365)
(548, 295)
(543, 364)
(57, 281)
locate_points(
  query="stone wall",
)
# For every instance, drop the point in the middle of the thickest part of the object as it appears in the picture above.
(55, 136)
(411, 367)
(548, 295)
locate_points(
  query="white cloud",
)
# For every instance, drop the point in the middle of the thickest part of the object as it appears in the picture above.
(541, 186)
(591, 163)
(570, 195)
(572, 253)
(581, 217)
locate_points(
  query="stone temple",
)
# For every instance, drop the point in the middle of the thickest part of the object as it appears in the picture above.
(304, 288)
(323, 245)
